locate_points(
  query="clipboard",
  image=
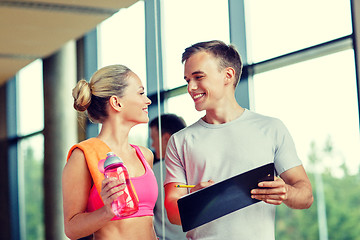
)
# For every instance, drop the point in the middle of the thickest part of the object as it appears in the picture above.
(222, 198)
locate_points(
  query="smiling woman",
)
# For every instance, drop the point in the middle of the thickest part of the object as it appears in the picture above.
(115, 98)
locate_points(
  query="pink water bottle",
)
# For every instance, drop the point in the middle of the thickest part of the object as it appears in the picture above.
(127, 203)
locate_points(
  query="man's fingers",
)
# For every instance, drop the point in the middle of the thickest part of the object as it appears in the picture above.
(269, 191)
(202, 185)
(272, 184)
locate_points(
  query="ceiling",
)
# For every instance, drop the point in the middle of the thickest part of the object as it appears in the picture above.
(36, 29)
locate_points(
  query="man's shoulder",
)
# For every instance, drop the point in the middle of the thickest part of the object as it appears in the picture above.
(185, 134)
(188, 128)
(261, 118)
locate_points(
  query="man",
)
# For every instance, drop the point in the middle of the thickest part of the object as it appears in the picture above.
(227, 141)
(170, 124)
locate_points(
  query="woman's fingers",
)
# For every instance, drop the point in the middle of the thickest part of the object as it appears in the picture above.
(112, 188)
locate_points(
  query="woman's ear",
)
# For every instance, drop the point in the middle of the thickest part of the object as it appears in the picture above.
(114, 102)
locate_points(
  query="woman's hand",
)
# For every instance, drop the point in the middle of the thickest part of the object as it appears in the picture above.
(111, 189)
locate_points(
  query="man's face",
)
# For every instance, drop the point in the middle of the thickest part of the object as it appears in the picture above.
(205, 81)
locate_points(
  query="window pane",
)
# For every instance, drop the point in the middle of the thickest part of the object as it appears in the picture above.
(184, 23)
(31, 99)
(183, 106)
(31, 192)
(124, 43)
(316, 100)
(280, 26)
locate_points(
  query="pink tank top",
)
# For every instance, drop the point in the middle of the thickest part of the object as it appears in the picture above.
(145, 186)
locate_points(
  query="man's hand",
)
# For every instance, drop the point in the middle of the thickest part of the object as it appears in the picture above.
(292, 188)
(272, 192)
(202, 185)
(172, 194)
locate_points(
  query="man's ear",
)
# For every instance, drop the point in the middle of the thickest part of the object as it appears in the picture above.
(114, 102)
(229, 75)
(165, 138)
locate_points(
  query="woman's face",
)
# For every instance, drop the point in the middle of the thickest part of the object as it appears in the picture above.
(135, 103)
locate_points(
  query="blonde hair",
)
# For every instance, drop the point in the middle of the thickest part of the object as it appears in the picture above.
(93, 96)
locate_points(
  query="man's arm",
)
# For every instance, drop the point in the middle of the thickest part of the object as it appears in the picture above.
(172, 194)
(292, 188)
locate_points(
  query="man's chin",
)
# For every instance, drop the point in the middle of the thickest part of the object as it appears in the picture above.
(199, 107)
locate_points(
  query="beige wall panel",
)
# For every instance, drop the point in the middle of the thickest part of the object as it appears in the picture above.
(111, 4)
(9, 67)
(36, 29)
(40, 33)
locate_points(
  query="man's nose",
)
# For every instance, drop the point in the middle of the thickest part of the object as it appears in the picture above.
(192, 85)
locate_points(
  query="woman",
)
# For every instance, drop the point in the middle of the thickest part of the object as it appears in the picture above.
(115, 98)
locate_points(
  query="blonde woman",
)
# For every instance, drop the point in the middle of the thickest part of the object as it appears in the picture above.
(115, 98)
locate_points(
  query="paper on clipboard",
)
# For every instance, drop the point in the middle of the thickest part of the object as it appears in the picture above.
(222, 198)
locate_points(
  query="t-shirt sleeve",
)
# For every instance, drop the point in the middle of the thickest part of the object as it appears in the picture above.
(285, 152)
(175, 171)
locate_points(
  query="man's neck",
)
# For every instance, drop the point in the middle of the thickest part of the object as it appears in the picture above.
(223, 116)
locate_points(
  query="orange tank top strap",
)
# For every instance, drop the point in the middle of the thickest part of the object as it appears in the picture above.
(94, 150)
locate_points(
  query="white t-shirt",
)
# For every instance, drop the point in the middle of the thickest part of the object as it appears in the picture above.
(205, 151)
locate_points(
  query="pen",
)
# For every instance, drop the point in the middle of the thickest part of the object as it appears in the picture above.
(185, 186)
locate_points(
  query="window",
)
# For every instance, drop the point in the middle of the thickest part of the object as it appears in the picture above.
(31, 150)
(184, 23)
(31, 191)
(31, 99)
(280, 26)
(183, 106)
(316, 100)
(123, 43)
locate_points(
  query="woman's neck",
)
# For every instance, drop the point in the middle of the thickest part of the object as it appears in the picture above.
(115, 135)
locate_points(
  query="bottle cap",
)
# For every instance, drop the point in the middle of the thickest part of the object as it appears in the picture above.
(111, 158)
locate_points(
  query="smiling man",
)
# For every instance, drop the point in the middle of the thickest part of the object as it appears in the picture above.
(227, 141)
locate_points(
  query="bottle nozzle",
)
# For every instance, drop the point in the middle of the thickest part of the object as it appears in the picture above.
(111, 158)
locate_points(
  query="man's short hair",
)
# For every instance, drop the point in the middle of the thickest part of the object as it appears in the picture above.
(170, 123)
(227, 54)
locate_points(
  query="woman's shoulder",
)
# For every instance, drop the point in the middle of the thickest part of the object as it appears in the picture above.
(148, 154)
(75, 163)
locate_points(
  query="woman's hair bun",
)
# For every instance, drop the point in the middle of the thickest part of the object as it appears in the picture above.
(82, 95)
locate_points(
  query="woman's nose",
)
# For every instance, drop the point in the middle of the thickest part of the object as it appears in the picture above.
(148, 102)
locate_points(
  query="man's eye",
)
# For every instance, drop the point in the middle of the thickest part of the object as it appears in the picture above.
(198, 77)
